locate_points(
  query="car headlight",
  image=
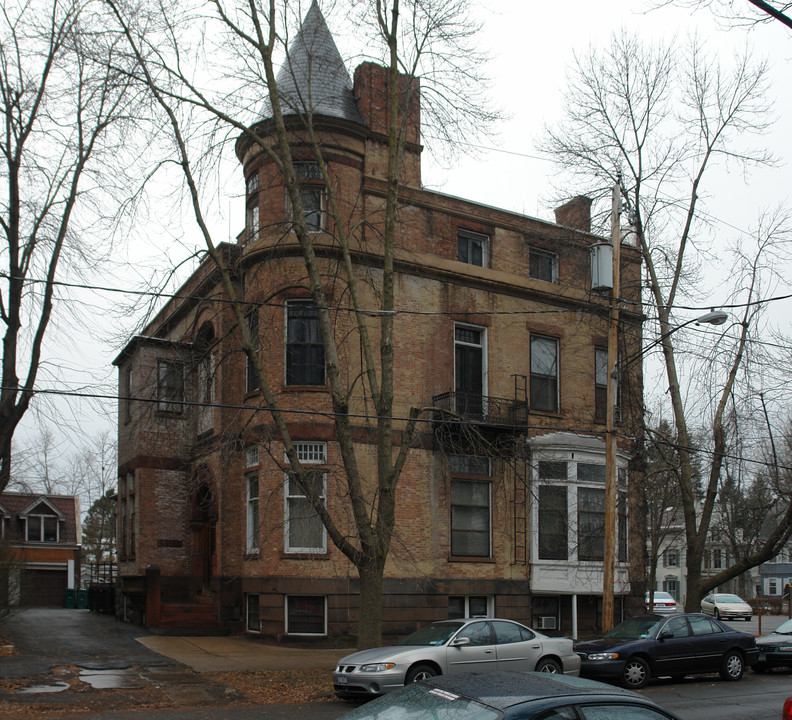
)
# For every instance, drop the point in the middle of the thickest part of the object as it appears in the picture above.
(603, 656)
(377, 667)
(785, 648)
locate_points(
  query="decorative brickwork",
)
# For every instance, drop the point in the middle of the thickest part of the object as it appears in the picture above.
(192, 466)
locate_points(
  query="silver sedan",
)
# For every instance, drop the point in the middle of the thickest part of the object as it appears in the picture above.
(453, 646)
(726, 606)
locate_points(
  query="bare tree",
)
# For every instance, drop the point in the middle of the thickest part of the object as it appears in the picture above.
(428, 41)
(60, 100)
(656, 120)
(661, 499)
(740, 12)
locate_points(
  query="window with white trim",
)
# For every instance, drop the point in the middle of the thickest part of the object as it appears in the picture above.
(470, 518)
(170, 387)
(473, 248)
(306, 615)
(570, 511)
(305, 355)
(591, 523)
(469, 370)
(544, 374)
(312, 194)
(304, 530)
(466, 606)
(252, 515)
(600, 383)
(42, 525)
(253, 209)
(542, 265)
(252, 500)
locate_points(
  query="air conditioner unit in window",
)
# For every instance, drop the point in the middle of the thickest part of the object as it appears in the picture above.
(546, 622)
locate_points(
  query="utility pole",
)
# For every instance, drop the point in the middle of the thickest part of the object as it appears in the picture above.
(608, 573)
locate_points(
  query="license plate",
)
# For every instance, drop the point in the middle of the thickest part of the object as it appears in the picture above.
(342, 680)
(762, 657)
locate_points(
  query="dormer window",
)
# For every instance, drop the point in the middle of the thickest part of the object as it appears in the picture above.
(42, 525)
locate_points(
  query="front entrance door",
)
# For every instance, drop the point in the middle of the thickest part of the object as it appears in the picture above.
(203, 521)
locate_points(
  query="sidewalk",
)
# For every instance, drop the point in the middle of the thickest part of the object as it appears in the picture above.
(224, 654)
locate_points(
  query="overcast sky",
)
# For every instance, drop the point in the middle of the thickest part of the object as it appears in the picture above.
(532, 46)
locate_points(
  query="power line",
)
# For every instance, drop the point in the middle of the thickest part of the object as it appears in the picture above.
(374, 417)
(373, 312)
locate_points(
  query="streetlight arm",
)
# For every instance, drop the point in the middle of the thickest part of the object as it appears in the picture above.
(714, 317)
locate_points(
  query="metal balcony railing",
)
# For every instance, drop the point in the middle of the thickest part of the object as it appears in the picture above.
(483, 409)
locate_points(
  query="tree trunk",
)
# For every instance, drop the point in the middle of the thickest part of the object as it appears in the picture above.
(694, 594)
(371, 594)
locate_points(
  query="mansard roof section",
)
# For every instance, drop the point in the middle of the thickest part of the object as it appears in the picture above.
(313, 78)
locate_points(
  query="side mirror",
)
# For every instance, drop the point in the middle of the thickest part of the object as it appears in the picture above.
(665, 635)
(460, 642)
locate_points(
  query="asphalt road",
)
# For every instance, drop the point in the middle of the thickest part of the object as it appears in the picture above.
(50, 638)
(47, 638)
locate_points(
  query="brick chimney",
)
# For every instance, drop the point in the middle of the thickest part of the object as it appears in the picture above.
(371, 92)
(575, 214)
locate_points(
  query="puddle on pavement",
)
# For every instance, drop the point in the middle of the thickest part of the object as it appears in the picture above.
(111, 679)
(35, 689)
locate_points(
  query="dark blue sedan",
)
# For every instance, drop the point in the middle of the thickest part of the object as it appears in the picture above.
(652, 646)
(504, 695)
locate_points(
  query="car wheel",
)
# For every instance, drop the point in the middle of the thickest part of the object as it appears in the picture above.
(733, 666)
(419, 672)
(716, 614)
(636, 673)
(548, 665)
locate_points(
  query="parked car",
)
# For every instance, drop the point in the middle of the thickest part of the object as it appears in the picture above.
(506, 695)
(453, 646)
(663, 604)
(775, 649)
(653, 645)
(726, 606)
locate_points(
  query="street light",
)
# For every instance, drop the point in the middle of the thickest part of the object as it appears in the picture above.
(714, 317)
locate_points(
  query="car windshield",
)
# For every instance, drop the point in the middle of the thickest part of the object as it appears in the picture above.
(634, 629)
(420, 702)
(434, 634)
(785, 628)
(729, 599)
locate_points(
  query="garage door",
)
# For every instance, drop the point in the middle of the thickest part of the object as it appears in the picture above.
(43, 588)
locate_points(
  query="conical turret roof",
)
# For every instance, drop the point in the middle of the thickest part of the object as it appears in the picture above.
(313, 77)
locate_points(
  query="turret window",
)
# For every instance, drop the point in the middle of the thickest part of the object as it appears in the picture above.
(312, 194)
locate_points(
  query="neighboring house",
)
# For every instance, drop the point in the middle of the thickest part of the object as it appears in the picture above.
(773, 577)
(501, 334)
(672, 571)
(41, 547)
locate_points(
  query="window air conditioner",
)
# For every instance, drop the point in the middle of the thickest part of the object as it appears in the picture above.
(546, 622)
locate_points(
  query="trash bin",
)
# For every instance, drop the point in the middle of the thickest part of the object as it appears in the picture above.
(82, 599)
(70, 599)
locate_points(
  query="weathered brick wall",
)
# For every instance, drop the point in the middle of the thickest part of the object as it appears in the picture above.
(433, 292)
